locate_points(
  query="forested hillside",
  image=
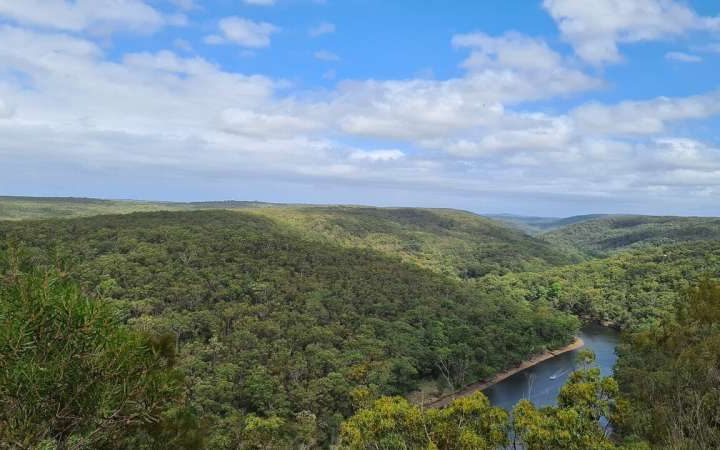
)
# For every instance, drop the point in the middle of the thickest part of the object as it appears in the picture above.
(612, 233)
(670, 374)
(275, 331)
(26, 208)
(455, 243)
(23, 208)
(629, 289)
(536, 225)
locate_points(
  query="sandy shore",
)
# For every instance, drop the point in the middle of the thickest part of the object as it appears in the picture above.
(484, 384)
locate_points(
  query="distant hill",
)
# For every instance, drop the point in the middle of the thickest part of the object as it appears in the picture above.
(536, 225)
(610, 233)
(632, 288)
(447, 241)
(25, 208)
(456, 243)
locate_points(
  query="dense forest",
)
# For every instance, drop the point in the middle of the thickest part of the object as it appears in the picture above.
(537, 225)
(454, 243)
(270, 324)
(630, 289)
(603, 235)
(244, 325)
(670, 372)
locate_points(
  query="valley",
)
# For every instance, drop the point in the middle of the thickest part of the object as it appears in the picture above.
(300, 316)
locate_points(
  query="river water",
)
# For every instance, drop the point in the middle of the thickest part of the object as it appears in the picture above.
(541, 383)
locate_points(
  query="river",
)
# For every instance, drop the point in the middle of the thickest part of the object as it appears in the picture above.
(541, 383)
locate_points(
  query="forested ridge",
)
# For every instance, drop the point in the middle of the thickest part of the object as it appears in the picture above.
(28, 208)
(537, 225)
(603, 235)
(455, 243)
(631, 289)
(267, 326)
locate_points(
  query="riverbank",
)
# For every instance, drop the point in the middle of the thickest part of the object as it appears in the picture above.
(484, 384)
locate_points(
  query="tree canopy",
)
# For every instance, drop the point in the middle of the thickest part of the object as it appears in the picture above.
(671, 374)
(275, 330)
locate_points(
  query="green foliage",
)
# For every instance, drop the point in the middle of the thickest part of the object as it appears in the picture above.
(612, 233)
(537, 225)
(71, 376)
(670, 374)
(631, 290)
(584, 402)
(274, 327)
(471, 423)
(393, 423)
(455, 243)
(25, 208)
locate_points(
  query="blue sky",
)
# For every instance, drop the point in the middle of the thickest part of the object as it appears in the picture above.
(547, 107)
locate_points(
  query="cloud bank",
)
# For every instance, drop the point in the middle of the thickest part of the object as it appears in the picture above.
(68, 103)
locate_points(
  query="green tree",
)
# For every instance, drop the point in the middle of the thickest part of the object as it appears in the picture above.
(393, 423)
(469, 423)
(670, 374)
(72, 376)
(585, 402)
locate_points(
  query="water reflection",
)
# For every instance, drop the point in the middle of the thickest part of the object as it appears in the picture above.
(541, 383)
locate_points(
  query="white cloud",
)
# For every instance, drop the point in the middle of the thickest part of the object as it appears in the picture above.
(321, 29)
(377, 155)
(260, 2)
(644, 117)
(6, 110)
(244, 32)
(166, 61)
(514, 61)
(502, 71)
(538, 133)
(683, 57)
(73, 84)
(596, 28)
(510, 51)
(324, 55)
(253, 123)
(157, 113)
(87, 15)
(412, 109)
(683, 153)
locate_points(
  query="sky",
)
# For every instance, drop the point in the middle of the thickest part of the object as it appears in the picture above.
(533, 107)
